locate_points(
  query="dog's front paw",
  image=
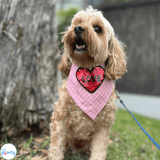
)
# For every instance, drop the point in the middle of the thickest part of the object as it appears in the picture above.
(55, 153)
(97, 158)
(55, 156)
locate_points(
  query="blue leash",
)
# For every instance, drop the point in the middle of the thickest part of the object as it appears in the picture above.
(157, 145)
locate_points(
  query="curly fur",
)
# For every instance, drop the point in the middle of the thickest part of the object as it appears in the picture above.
(70, 125)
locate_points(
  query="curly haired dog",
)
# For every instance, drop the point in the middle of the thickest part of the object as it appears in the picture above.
(89, 42)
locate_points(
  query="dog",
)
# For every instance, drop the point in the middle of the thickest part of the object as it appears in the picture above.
(93, 58)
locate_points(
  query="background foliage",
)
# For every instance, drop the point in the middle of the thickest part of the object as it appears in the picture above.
(64, 20)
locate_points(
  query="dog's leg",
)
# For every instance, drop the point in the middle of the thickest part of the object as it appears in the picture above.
(99, 142)
(58, 137)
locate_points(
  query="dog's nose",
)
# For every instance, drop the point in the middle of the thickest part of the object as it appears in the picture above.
(78, 30)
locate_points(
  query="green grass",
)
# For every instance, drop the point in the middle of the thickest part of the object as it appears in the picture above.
(26, 145)
(132, 141)
(129, 141)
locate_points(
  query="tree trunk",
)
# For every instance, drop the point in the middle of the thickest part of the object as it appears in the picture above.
(29, 56)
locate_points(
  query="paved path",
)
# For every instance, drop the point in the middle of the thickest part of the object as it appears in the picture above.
(142, 104)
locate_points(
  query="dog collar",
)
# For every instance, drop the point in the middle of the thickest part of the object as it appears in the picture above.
(89, 88)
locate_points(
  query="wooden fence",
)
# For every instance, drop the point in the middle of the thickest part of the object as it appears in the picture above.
(138, 26)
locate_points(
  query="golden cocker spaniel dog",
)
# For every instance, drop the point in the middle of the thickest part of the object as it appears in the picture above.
(93, 57)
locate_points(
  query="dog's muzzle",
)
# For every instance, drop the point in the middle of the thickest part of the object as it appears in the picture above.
(79, 45)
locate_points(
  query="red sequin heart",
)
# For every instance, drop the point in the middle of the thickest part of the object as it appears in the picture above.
(90, 80)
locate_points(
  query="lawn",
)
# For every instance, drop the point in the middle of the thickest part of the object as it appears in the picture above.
(131, 141)
(127, 141)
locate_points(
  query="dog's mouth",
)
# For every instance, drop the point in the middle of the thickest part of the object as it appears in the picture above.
(80, 46)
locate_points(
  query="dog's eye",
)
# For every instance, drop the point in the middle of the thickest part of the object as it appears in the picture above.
(97, 29)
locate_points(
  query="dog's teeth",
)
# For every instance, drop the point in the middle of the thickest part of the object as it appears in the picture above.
(80, 47)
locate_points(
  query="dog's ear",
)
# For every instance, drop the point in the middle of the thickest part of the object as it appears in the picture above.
(65, 64)
(116, 65)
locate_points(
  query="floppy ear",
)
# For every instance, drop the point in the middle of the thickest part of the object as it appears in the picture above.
(116, 65)
(65, 64)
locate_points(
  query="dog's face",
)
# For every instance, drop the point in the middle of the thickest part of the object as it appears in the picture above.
(86, 41)
(90, 41)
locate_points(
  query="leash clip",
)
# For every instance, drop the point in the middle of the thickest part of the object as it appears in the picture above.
(118, 96)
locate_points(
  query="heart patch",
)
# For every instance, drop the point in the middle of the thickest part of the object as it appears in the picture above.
(90, 80)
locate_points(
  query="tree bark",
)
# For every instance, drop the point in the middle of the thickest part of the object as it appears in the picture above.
(29, 56)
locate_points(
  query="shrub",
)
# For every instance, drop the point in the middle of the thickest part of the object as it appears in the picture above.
(64, 20)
